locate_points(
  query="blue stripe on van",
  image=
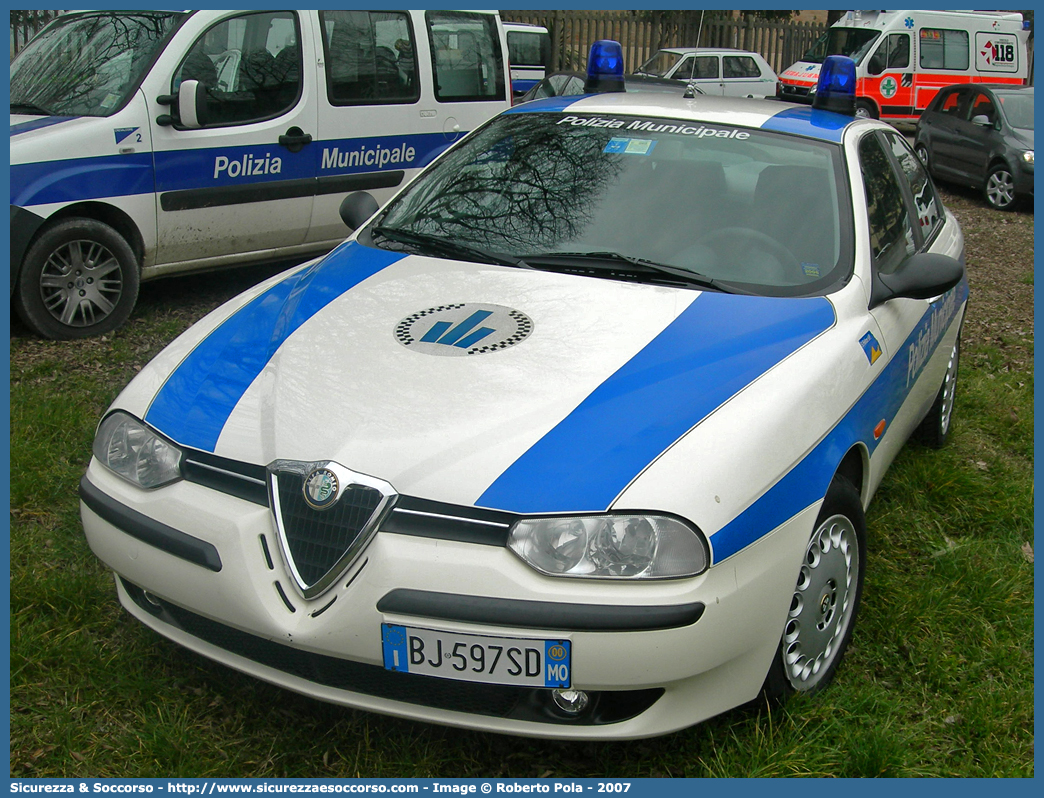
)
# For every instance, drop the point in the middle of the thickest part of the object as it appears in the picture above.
(36, 124)
(81, 179)
(715, 348)
(199, 396)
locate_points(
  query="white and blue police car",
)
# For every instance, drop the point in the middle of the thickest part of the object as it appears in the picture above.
(572, 439)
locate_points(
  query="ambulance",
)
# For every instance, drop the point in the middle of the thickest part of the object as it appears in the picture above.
(152, 143)
(903, 58)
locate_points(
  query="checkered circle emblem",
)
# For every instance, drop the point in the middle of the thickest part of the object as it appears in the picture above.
(462, 329)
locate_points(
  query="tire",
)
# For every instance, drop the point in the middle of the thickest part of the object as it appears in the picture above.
(999, 189)
(923, 156)
(79, 278)
(865, 110)
(934, 430)
(826, 598)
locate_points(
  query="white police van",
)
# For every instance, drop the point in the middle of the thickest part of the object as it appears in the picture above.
(529, 51)
(149, 143)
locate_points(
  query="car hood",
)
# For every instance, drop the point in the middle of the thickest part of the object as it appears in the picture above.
(469, 383)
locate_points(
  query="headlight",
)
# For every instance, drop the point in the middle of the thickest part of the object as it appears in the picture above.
(610, 546)
(133, 451)
(1027, 156)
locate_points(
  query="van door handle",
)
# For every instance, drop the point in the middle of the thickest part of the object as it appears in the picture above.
(294, 139)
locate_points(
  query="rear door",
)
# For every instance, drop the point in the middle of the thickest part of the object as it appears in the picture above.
(397, 88)
(241, 187)
(741, 77)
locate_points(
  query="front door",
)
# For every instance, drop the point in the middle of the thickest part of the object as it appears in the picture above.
(242, 186)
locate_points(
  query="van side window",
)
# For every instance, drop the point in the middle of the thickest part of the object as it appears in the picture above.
(370, 57)
(250, 66)
(944, 49)
(739, 66)
(891, 234)
(466, 56)
(528, 49)
(926, 204)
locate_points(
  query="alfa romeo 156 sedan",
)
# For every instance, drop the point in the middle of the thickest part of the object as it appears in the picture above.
(571, 439)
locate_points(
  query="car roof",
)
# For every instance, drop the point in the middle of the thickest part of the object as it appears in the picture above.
(992, 87)
(707, 50)
(802, 120)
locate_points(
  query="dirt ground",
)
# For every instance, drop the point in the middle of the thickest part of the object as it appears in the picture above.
(999, 258)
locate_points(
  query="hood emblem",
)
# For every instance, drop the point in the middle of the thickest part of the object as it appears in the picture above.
(325, 515)
(321, 489)
(466, 328)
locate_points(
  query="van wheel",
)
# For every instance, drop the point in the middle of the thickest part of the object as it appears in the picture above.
(826, 597)
(865, 110)
(79, 278)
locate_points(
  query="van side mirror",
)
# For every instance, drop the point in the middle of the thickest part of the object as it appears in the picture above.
(356, 208)
(921, 276)
(192, 104)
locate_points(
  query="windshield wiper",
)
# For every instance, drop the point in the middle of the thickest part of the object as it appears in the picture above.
(30, 108)
(609, 261)
(448, 247)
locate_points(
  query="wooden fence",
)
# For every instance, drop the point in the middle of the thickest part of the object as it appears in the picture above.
(25, 24)
(572, 32)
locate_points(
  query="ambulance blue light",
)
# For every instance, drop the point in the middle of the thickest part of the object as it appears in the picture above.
(837, 85)
(605, 67)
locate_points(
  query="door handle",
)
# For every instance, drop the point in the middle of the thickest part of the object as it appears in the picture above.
(294, 139)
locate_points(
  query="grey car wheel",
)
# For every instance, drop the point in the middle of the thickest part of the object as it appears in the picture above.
(826, 597)
(922, 154)
(1000, 189)
(934, 430)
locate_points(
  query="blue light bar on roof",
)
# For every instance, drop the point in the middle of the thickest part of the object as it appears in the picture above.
(837, 85)
(605, 67)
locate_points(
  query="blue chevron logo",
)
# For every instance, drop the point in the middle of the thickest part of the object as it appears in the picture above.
(463, 334)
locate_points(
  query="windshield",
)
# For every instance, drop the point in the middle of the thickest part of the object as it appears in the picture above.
(762, 210)
(1018, 109)
(853, 42)
(660, 64)
(87, 65)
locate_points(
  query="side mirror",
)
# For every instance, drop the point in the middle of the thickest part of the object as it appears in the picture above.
(921, 276)
(981, 119)
(356, 208)
(192, 104)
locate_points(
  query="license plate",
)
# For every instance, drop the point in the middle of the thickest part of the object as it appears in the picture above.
(476, 658)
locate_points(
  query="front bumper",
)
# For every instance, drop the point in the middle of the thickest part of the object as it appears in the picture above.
(656, 657)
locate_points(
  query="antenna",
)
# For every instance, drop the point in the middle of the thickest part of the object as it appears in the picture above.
(690, 89)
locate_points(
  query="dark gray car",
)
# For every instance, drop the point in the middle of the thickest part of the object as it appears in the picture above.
(981, 135)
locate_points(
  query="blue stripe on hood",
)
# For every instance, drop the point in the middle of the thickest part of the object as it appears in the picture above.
(715, 348)
(36, 124)
(199, 396)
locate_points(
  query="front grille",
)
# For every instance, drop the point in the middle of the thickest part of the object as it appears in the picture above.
(502, 701)
(318, 539)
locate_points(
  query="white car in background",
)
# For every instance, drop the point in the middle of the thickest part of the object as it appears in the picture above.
(716, 70)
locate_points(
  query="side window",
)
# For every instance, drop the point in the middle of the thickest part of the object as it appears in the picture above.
(527, 49)
(369, 57)
(891, 234)
(706, 67)
(926, 203)
(951, 104)
(250, 66)
(898, 51)
(740, 66)
(982, 105)
(466, 56)
(684, 70)
(944, 49)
